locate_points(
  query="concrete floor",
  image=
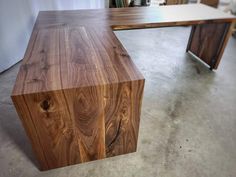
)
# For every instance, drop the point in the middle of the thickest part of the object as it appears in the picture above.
(188, 122)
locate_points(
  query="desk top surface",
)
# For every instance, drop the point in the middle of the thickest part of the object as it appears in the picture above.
(73, 49)
(136, 17)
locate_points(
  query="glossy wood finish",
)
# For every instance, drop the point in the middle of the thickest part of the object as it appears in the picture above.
(81, 96)
(72, 57)
(83, 124)
(78, 93)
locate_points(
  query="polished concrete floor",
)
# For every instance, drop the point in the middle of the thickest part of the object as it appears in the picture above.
(188, 122)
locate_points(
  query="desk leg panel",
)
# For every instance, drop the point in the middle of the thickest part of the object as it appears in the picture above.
(207, 42)
(78, 125)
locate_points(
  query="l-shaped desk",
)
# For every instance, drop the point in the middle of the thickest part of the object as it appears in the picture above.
(79, 94)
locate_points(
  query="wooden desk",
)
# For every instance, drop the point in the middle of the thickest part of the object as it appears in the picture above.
(79, 94)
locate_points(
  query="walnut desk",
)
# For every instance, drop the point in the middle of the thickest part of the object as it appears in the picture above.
(79, 94)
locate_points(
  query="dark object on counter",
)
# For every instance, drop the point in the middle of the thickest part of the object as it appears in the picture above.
(212, 3)
(128, 3)
(174, 2)
(119, 3)
(146, 2)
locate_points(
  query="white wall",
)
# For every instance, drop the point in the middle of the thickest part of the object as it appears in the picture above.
(17, 18)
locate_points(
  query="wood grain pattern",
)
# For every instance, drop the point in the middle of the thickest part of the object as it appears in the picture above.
(83, 124)
(122, 112)
(74, 99)
(78, 93)
(206, 42)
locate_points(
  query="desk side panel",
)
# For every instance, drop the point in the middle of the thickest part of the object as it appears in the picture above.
(79, 125)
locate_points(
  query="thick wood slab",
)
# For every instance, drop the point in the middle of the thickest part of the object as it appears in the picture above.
(72, 57)
(78, 93)
(83, 124)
